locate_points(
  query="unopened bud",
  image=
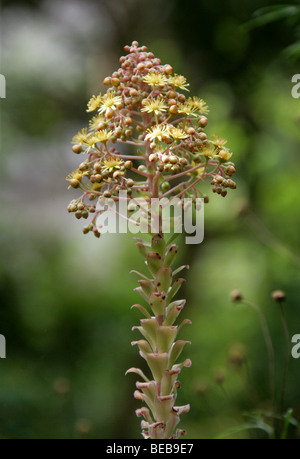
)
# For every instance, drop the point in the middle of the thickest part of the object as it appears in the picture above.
(173, 159)
(183, 161)
(74, 183)
(128, 164)
(117, 174)
(153, 157)
(109, 113)
(173, 109)
(77, 149)
(107, 81)
(165, 186)
(115, 82)
(133, 92)
(202, 121)
(96, 232)
(101, 126)
(168, 69)
(230, 170)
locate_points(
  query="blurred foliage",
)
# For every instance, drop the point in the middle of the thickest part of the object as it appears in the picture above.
(65, 298)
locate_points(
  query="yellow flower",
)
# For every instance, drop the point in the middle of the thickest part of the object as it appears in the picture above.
(90, 142)
(154, 78)
(198, 104)
(103, 135)
(94, 103)
(187, 109)
(155, 105)
(94, 186)
(208, 151)
(94, 122)
(225, 154)
(109, 102)
(179, 81)
(157, 132)
(112, 163)
(99, 136)
(75, 177)
(80, 137)
(177, 133)
(218, 142)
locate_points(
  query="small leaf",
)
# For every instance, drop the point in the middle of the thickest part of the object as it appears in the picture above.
(168, 380)
(157, 302)
(138, 372)
(144, 347)
(237, 429)
(177, 271)
(142, 249)
(163, 279)
(149, 330)
(173, 311)
(133, 271)
(146, 286)
(142, 241)
(141, 292)
(175, 353)
(165, 338)
(287, 422)
(270, 14)
(157, 364)
(158, 244)
(154, 262)
(174, 289)
(182, 409)
(170, 256)
(142, 309)
(184, 322)
(163, 407)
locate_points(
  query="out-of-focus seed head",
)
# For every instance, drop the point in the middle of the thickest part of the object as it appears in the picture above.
(236, 296)
(278, 295)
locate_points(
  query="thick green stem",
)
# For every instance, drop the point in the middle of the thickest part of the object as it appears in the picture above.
(160, 348)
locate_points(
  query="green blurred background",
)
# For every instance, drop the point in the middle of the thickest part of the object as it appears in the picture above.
(65, 297)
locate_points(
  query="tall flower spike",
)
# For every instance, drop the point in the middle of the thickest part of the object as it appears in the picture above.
(145, 109)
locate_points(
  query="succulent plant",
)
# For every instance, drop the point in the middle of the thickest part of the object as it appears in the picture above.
(145, 110)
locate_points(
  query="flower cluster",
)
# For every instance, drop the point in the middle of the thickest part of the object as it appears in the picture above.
(145, 107)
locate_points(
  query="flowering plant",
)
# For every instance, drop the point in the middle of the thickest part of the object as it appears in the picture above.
(145, 109)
